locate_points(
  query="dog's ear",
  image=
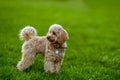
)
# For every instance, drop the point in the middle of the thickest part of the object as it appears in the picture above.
(63, 36)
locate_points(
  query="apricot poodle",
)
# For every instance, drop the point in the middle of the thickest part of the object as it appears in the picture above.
(52, 46)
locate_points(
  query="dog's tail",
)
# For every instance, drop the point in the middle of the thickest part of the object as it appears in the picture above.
(27, 33)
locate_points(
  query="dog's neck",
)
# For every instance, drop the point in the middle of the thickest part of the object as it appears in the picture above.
(57, 45)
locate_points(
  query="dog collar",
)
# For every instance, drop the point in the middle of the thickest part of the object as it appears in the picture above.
(57, 51)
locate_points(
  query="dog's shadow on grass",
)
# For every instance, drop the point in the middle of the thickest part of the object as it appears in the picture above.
(38, 69)
(34, 68)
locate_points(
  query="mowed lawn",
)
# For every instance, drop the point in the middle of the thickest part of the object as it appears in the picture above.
(93, 51)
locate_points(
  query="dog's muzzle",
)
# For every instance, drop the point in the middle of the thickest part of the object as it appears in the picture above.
(49, 38)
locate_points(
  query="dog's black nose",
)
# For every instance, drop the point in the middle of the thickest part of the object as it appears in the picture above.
(48, 37)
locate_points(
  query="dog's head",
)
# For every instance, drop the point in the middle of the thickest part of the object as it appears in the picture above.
(57, 34)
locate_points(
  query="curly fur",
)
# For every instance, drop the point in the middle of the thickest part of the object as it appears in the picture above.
(27, 33)
(52, 46)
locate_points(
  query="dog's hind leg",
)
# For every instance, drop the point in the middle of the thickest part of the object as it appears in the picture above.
(26, 61)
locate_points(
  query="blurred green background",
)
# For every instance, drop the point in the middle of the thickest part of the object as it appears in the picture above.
(93, 51)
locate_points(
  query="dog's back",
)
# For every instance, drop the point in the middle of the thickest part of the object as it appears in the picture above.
(36, 43)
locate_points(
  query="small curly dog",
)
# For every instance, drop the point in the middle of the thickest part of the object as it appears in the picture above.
(52, 46)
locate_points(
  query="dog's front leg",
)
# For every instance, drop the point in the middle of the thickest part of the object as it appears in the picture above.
(57, 67)
(49, 67)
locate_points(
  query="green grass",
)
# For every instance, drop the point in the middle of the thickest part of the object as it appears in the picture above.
(93, 51)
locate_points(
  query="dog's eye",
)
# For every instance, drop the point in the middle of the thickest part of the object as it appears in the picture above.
(54, 33)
